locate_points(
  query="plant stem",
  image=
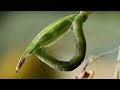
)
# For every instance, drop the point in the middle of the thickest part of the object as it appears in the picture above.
(116, 74)
(94, 58)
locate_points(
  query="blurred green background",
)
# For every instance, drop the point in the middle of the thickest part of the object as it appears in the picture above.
(18, 28)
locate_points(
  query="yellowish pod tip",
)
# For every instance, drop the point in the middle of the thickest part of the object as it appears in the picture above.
(20, 63)
(90, 12)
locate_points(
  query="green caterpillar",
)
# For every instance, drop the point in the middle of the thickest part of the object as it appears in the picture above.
(53, 33)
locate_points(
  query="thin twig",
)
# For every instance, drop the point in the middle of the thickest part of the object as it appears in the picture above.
(93, 58)
(116, 74)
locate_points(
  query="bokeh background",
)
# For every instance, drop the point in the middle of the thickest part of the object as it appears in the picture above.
(18, 29)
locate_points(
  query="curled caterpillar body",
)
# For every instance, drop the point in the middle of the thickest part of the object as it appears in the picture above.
(80, 48)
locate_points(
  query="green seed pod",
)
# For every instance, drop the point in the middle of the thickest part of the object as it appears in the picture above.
(48, 36)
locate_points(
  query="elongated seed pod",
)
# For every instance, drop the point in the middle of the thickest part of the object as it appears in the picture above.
(51, 34)
(80, 48)
(48, 36)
